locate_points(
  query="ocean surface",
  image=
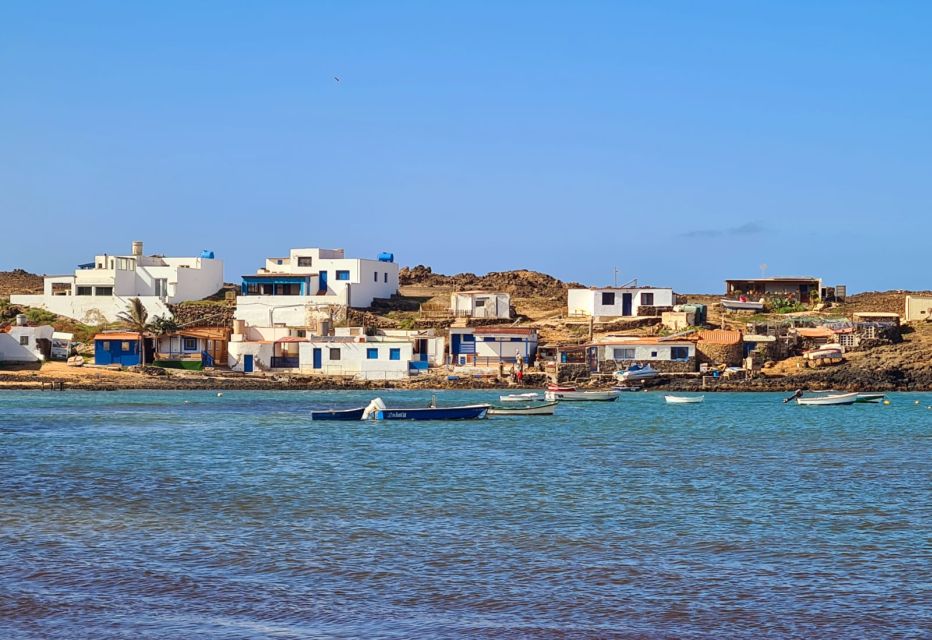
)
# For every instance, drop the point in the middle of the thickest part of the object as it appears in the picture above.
(188, 515)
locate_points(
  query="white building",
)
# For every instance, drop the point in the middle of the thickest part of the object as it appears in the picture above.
(300, 289)
(918, 308)
(487, 346)
(480, 304)
(101, 289)
(25, 344)
(617, 302)
(653, 350)
(391, 354)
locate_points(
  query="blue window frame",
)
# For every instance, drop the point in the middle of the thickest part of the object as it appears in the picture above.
(679, 353)
(517, 339)
(189, 344)
(372, 354)
(342, 275)
(394, 354)
(488, 339)
(386, 277)
(468, 337)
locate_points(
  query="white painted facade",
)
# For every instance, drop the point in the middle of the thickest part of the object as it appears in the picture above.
(20, 344)
(645, 350)
(918, 308)
(480, 304)
(615, 302)
(288, 311)
(374, 359)
(99, 291)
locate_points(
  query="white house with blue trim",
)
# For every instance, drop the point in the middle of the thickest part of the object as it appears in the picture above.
(488, 346)
(295, 290)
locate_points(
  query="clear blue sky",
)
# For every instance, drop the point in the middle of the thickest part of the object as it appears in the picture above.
(683, 142)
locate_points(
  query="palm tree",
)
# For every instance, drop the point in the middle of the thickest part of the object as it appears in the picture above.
(137, 318)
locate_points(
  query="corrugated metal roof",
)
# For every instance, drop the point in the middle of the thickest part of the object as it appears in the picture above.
(720, 336)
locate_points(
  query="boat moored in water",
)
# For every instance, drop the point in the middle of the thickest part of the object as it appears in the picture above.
(521, 397)
(538, 409)
(837, 399)
(684, 399)
(378, 411)
(870, 397)
(338, 414)
(572, 395)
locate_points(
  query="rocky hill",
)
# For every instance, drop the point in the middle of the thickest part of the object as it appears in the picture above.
(19, 281)
(520, 283)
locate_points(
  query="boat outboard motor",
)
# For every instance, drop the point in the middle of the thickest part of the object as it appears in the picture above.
(373, 407)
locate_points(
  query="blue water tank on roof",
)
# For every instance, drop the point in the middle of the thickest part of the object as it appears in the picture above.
(207, 254)
(385, 256)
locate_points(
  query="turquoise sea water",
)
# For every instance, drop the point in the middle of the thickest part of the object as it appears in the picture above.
(186, 515)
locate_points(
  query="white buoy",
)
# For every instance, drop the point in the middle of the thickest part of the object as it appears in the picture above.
(219, 394)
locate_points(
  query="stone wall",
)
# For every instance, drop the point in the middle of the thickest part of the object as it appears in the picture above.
(664, 366)
(193, 314)
(729, 354)
(572, 372)
(652, 311)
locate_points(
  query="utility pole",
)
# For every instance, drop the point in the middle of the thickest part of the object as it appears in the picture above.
(615, 279)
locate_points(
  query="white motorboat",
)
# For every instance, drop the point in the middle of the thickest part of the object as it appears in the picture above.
(684, 399)
(521, 397)
(538, 409)
(743, 305)
(870, 397)
(581, 396)
(636, 372)
(838, 399)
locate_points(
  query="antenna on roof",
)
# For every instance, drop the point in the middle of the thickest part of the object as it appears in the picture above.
(763, 269)
(615, 279)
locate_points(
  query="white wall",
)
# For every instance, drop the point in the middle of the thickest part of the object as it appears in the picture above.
(292, 311)
(918, 308)
(354, 361)
(91, 310)
(497, 305)
(589, 301)
(203, 278)
(12, 351)
(505, 349)
(645, 352)
(261, 351)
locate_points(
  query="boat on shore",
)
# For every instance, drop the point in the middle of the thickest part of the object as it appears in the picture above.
(684, 399)
(338, 414)
(742, 305)
(378, 411)
(636, 372)
(539, 409)
(837, 399)
(573, 395)
(521, 397)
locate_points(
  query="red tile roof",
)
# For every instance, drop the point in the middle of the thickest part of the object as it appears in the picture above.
(116, 335)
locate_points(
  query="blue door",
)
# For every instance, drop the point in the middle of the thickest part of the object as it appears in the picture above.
(626, 304)
(247, 363)
(455, 344)
(323, 283)
(317, 359)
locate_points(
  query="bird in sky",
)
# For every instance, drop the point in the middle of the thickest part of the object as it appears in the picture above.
(337, 78)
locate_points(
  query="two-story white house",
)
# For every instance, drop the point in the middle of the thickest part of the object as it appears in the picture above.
(101, 289)
(618, 302)
(294, 290)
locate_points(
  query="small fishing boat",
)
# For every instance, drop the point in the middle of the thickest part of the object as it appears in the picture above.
(540, 409)
(742, 305)
(839, 399)
(572, 395)
(636, 372)
(521, 397)
(338, 414)
(560, 387)
(625, 389)
(378, 411)
(870, 397)
(684, 399)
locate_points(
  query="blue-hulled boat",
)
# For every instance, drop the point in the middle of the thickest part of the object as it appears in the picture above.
(338, 414)
(378, 411)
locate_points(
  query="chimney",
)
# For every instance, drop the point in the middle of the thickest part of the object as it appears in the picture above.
(21, 320)
(137, 248)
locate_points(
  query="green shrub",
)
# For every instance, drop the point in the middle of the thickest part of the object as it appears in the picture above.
(40, 316)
